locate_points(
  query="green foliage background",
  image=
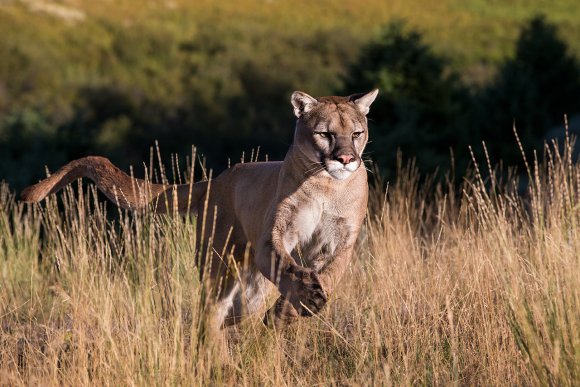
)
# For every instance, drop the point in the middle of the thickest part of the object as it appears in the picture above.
(110, 77)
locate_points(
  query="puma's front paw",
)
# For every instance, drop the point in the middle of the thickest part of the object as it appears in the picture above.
(281, 314)
(305, 291)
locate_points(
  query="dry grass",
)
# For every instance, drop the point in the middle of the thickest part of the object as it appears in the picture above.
(450, 285)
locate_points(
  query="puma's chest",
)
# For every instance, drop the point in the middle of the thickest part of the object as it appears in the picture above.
(319, 231)
(306, 220)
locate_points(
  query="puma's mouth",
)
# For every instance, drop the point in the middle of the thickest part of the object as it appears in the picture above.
(340, 171)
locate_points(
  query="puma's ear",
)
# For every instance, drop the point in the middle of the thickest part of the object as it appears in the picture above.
(302, 103)
(364, 100)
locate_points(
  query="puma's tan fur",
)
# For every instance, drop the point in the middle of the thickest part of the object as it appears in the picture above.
(265, 213)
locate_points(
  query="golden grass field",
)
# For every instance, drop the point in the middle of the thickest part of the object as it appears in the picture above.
(463, 283)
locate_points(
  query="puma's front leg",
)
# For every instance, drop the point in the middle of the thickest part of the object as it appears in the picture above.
(333, 271)
(300, 286)
(283, 313)
(303, 290)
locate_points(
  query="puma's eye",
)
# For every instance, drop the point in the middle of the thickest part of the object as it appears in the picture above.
(357, 134)
(324, 134)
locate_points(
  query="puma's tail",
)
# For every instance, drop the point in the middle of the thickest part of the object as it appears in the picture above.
(124, 190)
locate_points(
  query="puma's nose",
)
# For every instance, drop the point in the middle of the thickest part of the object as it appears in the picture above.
(345, 159)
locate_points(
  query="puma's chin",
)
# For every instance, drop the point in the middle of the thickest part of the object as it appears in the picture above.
(340, 174)
(340, 171)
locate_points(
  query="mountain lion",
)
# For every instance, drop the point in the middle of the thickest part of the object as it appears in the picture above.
(290, 224)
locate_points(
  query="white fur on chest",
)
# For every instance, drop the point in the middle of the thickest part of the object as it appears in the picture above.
(305, 222)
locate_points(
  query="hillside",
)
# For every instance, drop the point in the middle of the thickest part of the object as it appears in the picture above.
(111, 77)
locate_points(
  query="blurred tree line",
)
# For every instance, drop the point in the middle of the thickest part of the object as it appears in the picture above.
(217, 94)
(425, 111)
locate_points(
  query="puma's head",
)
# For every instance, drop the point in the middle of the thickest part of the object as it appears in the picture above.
(332, 131)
